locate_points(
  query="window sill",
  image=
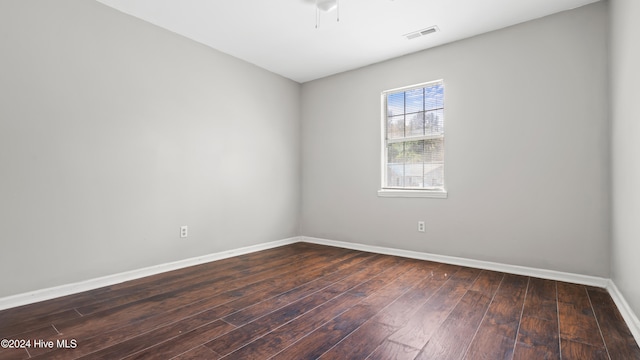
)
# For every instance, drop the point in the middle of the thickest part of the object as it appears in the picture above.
(408, 193)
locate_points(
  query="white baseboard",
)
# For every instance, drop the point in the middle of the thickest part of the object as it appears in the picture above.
(68, 289)
(74, 288)
(629, 316)
(487, 265)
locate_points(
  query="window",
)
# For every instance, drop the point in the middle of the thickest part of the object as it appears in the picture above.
(413, 141)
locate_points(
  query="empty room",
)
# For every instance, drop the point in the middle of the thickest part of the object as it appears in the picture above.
(319, 179)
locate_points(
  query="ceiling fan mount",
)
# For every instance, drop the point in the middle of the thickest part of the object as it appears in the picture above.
(327, 6)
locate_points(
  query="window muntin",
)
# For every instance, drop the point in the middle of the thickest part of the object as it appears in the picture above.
(413, 137)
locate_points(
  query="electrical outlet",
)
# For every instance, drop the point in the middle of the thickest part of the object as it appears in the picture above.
(421, 226)
(184, 231)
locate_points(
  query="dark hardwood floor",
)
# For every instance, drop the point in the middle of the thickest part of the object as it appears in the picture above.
(306, 301)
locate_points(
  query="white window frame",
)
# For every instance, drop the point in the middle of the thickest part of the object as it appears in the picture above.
(388, 191)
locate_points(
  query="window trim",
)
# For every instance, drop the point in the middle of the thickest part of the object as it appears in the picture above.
(413, 193)
(387, 191)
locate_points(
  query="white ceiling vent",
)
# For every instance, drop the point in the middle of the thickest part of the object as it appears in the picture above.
(423, 32)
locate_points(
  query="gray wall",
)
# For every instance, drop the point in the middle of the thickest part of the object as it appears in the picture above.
(625, 77)
(527, 149)
(114, 132)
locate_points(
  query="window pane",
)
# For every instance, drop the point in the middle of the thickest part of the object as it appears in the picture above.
(395, 165)
(415, 100)
(395, 175)
(434, 175)
(434, 151)
(395, 127)
(415, 124)
(434, 163)
(395, 153)
(434, 97)
(414, 152)
(414, 163)
(395, 104)
(434, 122)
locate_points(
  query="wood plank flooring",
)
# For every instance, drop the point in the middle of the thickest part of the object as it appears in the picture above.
(306, 301)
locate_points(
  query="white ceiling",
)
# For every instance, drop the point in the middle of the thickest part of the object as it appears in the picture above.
(280, 35)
